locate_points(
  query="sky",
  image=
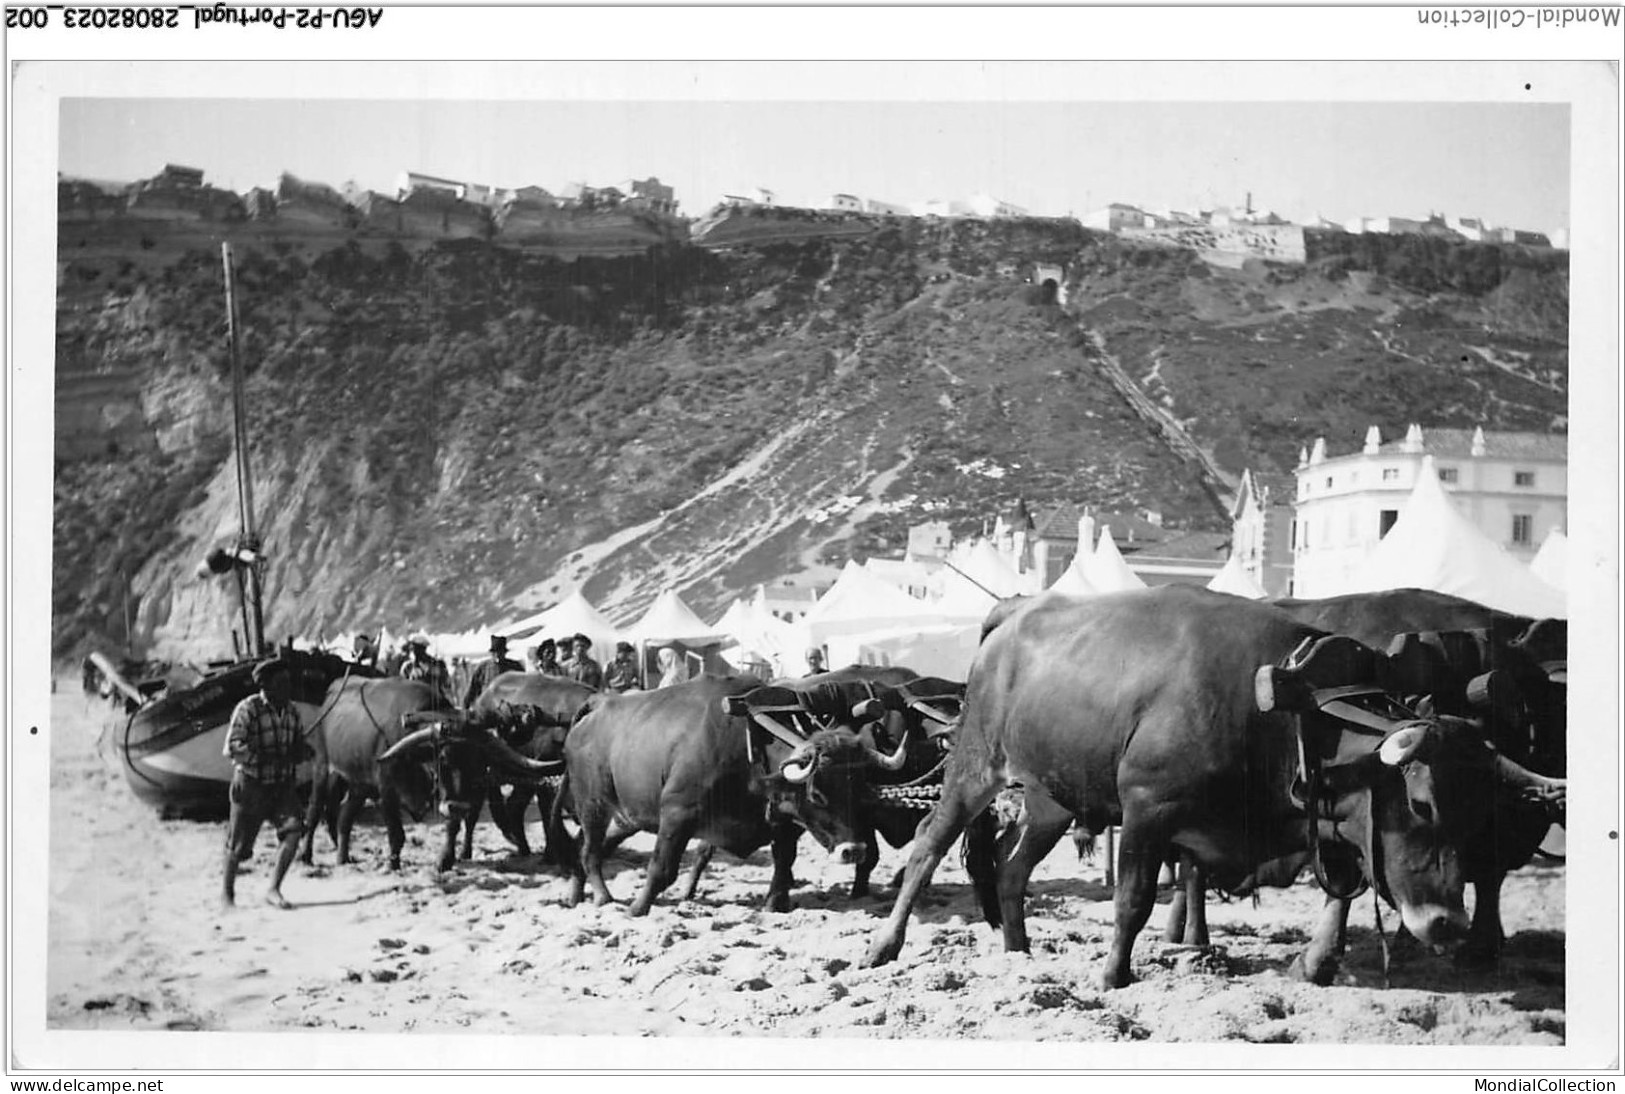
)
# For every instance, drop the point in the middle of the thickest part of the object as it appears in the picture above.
(1505, 162)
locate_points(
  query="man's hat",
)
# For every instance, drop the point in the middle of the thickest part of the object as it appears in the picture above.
(582, 639)
(269, 668)
(623, 647)
(547, 643)
(499, 642)
(419, 639)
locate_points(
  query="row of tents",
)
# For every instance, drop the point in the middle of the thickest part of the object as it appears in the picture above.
(934, 627)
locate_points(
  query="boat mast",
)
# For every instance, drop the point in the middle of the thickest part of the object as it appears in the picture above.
(248, 544)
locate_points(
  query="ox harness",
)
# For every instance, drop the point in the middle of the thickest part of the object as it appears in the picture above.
(939, 715)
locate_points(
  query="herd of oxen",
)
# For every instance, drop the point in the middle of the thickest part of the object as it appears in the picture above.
(1406, 741)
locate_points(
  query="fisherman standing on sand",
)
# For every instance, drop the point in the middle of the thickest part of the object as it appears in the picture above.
(266, 741)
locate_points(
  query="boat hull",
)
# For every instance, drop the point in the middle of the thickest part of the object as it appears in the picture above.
(172, 751)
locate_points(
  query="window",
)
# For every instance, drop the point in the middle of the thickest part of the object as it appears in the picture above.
(1522, 529)
(1385, 521)
(1447, 474)
(1328, 482)
(1294, 544)
(1390, 474)
(1523, 478)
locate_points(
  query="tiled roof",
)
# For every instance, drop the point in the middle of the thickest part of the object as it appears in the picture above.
(1060, 522)
(1457, 444)
(1282, 489)
(1128, 528)
(1207, 546)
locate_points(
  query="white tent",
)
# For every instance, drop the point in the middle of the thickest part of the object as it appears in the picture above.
(946, 650)
(671, 622)
(669, 619)
(1072, 582)
(1106, 570)
(1432, 546)
(572, 615)
(1551, 562)
(860, 603)
(1236, 581)
(760, 639)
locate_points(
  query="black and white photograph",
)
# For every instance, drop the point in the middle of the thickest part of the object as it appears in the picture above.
(590, 564)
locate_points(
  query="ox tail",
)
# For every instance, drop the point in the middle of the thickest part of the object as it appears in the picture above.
(567, 853)
(976, 852)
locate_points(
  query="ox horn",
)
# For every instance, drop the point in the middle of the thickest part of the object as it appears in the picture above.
(1398, 747)
(1515, 774)
(894, 762)
(415, 739)
(516, 762)
(798, 766)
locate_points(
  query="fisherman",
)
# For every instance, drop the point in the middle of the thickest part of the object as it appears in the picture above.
(429, 670)
(581, 667)
(365, 650)
(265, 743)
(815, 660)
(547, 659)
(672, 668)
(493, 666)
(622, 674)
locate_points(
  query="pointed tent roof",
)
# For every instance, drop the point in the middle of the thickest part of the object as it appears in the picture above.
(572, 615)
(1432, 546)
(1236, 581)
(670, 620)
(757, 631)
(858, 602)
(1072, 582)
(1550, 563)
(1106, 570)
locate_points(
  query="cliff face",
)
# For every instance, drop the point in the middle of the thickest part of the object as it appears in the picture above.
(454, 436)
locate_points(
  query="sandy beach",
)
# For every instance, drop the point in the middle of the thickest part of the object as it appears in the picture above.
(137, 941)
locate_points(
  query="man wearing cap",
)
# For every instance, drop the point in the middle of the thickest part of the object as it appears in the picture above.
(622, 674)
(489, 669)
(581, 667)
(421, 667)
(265, 742)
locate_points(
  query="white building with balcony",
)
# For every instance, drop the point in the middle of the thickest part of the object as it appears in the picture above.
(1512, 486)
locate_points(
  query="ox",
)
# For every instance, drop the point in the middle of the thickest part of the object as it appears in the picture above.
(554, 703)
(719, 758)
(1507, 672)
(1193, 720)
(365, 727)
(917, 710)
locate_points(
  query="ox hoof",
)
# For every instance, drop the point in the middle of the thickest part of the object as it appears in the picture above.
(882, 952)
(778, 902)
(1320, 973)
(1111, 981)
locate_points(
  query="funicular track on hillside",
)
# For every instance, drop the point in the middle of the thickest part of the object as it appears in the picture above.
(1162, 424)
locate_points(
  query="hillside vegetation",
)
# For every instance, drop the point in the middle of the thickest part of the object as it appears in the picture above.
(457, 433)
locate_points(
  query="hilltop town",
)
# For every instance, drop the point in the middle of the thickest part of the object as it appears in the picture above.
(637, 213)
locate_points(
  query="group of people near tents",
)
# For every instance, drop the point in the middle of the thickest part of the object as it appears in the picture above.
(867, 617)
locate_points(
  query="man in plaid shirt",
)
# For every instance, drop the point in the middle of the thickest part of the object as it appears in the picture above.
(265, 742)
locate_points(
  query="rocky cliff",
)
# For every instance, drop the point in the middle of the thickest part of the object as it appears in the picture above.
(456, 434)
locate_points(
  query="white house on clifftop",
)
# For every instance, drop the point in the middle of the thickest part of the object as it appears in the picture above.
(1512, 486)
